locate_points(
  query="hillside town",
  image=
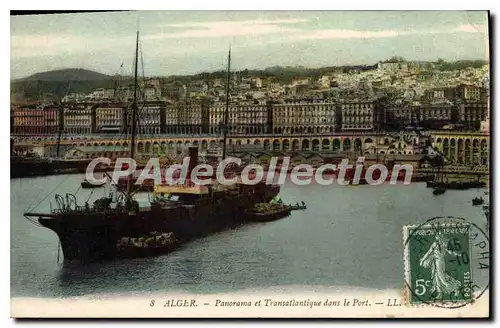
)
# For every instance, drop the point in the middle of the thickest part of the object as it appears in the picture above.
(309, 114)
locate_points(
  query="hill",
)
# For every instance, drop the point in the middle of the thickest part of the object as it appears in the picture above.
(61, 82)
(71, 74)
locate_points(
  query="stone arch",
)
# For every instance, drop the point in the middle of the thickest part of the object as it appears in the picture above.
(467, 150)
(286, 144)
(460, 157)
(266, 144)
(203, 144)
(325, 144)
(156, 148)
(276, 144)
(315, 145)
(256, 142)
(484, 152)
(358, 144)
(347, 144)
(446, 148)
(147, 148)
(140, 147)
(483, 145)
(295, 144)
(305, 144)
(336, 144)
(212, 144)
(452, 149)
(163, 147)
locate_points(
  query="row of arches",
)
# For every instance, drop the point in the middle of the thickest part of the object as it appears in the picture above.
(304, 129)
(267, 143)
(465, 150)
(315, 144)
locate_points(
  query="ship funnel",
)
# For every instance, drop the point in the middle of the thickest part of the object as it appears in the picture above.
(193, 159)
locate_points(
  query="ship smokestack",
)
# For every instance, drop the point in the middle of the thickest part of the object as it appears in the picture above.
(193, 159)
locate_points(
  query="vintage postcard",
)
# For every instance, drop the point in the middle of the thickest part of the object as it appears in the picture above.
(250, 164)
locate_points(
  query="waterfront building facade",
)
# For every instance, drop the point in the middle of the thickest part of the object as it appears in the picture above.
(360, 115)
(315, 117)
(463, 147)
(250, 119)
(183, 119)
(110, 118)
(78, 120)
(35, 121)
(150, 119)
(51, 119)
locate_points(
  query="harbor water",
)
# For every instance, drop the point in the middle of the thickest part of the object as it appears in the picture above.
(349, 236)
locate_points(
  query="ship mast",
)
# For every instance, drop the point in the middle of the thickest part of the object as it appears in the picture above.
(59, 129)
(134, 118)
(226, 112)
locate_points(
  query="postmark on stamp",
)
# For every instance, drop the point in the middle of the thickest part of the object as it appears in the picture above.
(446, 262)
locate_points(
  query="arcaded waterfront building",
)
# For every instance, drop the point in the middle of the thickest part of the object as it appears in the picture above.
(472, 113)
(438, 112)
(150, 118)
(51, 119)
(78, 119)
(250, 119)
(469, 148)
(109, 118)
(361, 115)
(33, 120)
(183, 119)
(311, 117)
(400, 116)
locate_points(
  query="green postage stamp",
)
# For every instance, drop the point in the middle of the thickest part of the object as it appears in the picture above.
(439, 262)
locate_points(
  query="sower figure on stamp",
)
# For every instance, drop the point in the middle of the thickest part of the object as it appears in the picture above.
(442, 283)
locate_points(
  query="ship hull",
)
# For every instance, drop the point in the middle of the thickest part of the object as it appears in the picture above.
(31, 167)
(91, 237)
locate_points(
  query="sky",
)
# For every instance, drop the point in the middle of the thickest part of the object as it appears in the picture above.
(189, 42)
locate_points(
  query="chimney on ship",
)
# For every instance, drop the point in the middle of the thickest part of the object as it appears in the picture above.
(193, 159)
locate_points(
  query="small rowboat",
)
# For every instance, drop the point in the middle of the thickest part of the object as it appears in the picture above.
(87, 185)
(477, 201)
(298, 207)
(439, 190)
(269, 213)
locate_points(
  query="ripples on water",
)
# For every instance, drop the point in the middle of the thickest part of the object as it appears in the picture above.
(348, 236)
